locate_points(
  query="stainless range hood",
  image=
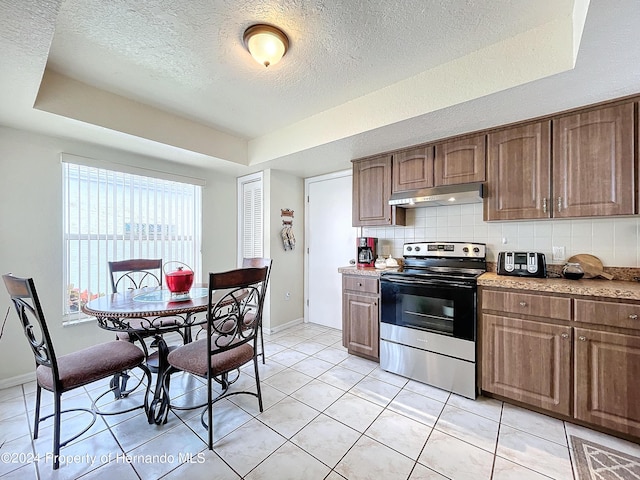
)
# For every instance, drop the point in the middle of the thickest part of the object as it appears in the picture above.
(445, 195)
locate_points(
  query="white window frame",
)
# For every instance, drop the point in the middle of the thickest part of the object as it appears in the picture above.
(255, 180)
(116, 241)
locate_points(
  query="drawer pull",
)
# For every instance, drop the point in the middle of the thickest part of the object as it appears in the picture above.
(523, 304)
(359, 284)
(582, 338)
(633, 316)
(565, 335)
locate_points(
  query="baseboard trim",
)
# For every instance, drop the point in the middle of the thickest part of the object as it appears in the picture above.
(284, 326)
(18, 380)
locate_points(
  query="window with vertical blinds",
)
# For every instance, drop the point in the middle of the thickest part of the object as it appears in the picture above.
(111, 215)
(251, 218)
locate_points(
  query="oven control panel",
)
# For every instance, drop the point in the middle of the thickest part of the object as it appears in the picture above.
(445, 249)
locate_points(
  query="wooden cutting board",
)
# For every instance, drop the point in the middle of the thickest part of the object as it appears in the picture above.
(591, 265)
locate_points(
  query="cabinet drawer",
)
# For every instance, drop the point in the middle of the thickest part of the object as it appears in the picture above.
(361, 284)
(527, 304)
(623, 315)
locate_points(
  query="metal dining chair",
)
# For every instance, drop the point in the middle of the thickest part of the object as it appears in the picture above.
(260, 262)
(68, 372)
(131, 275)
(232, 328)
(134, 274)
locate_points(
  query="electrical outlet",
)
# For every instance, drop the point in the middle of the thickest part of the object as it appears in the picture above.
(558, 254)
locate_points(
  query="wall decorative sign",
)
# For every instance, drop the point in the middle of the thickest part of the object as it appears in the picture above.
(288, 239)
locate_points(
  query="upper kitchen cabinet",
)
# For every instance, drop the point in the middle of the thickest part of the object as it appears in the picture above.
(575, 164)
(593, 171)
(371, 192)
(519, 173)
(412, 169)
(589, 171)
(460, 161)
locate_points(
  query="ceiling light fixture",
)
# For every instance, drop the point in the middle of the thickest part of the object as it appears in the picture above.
(266, 44)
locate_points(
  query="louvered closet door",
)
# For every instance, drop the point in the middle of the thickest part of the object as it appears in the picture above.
(252, 219)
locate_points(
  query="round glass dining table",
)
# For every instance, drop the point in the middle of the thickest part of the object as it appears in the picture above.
(153, 312)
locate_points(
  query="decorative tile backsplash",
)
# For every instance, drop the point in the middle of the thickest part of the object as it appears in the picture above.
(614, 240)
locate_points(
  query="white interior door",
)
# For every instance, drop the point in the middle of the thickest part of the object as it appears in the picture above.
(331, 243)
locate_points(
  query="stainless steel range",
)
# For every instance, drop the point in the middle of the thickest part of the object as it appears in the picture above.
(428, 315)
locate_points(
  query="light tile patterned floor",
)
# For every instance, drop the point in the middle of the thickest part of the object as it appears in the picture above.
(328, 415)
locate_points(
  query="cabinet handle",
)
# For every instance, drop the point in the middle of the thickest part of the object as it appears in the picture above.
(523, 304)
(582, 338)
(359, 284)
(565, 335)
(633, 316)
(544, 204)
(559, 204)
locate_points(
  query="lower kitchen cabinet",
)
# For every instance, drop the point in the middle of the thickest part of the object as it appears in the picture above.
(527, 361)
(360, 315)
(607, 373)
(574, 356)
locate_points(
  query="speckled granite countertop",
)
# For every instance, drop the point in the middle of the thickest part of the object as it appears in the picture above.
(365, 271)
(587, 287)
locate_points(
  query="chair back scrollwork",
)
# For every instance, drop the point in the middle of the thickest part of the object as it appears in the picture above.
(27, 305)
(234, 318)
(135, 273)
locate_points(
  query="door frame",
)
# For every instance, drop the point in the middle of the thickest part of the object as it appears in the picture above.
(307, 182)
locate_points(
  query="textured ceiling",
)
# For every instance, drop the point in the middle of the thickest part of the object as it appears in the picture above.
(172, 80)
(187, 57)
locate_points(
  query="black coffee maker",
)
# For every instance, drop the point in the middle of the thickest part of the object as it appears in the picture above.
(367, 251)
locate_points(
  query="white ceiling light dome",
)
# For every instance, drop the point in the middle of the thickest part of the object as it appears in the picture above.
(266, 43)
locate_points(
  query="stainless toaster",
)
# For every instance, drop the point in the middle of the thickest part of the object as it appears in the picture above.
(522, 264)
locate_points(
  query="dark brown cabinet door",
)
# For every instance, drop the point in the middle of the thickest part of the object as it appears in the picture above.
(593, 163)
(518, 172)
(360, 324)
(413, 169)
(607, 369)
(460, 161)
(371, 192)
(527, 361)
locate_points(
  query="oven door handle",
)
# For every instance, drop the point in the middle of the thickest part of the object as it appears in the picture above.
(426, 282)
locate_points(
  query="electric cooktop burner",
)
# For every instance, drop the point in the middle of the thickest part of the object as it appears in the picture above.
(444, 260)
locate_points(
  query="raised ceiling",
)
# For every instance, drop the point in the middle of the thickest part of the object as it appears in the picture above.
(173, 80)
(187, 58)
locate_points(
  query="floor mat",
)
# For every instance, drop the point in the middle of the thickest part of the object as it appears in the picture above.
(597, 462)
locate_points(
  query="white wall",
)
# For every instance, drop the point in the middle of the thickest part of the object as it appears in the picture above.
(287, 275)
(31, 232)
(615, 240)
